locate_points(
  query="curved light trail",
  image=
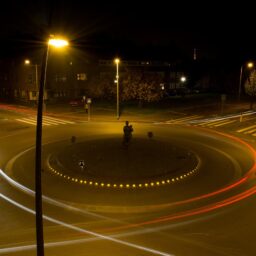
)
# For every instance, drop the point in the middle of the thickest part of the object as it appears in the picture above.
(84, 231)
(167, 218)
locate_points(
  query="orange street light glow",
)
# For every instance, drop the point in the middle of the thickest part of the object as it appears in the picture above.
(250, 65)
(58, 42)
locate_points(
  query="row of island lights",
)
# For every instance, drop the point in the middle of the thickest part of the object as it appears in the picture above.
(109, 185)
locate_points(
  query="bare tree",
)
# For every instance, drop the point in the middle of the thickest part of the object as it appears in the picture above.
(250, 87)
(141, 87)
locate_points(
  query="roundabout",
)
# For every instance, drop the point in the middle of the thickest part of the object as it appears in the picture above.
(219, 170)
(108, 163)
(179, 164)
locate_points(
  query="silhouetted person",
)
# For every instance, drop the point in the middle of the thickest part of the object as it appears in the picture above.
(127, 132)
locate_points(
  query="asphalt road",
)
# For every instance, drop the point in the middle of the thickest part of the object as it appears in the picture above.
(212, 212)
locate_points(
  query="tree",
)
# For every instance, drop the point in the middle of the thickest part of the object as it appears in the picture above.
(250, 87)
(144, 87)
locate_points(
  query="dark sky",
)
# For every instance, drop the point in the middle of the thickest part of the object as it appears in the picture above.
(135, 29)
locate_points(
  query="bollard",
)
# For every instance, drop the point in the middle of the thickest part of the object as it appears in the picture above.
(150, 135)
(241, 117)
(73, 139)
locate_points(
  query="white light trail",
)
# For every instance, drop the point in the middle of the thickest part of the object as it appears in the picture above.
(81, 230)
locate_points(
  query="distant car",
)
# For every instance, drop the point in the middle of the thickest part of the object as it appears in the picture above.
(77, 102)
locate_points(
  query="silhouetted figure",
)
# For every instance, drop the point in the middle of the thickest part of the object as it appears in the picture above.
(86, 108)
(127, 133)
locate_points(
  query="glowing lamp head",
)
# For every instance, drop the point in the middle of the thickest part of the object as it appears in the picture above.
(117, 60)
(27, 62)
(183, 79)
(58, 43)
(250, 65)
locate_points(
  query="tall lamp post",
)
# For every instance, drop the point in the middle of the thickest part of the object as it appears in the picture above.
(27, 62)
(38, 186)
(117, 88)
(248, 65)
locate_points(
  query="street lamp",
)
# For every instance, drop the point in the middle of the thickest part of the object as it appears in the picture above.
(27, 62)
(183, 79)
(117, 61)
(38, 186)
(249, 65)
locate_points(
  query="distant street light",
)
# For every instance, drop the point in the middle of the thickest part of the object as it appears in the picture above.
(183, 79)
(249, 65)
(27, 62)
(38, 186)
(117, 88)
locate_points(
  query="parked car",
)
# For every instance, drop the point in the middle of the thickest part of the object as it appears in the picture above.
(77, 102)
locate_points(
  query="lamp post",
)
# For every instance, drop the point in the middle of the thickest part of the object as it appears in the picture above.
(117, 88)
(38, 186)
(27, 62)
(249, 65)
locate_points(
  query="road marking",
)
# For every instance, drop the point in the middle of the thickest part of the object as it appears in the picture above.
(246, 128)
(228, 122)
(183, 119)
(250, 131)
(217, 123)
(61, 121)
(28, 121)
(47, 121)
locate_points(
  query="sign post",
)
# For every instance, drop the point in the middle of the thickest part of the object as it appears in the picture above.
(89, 101)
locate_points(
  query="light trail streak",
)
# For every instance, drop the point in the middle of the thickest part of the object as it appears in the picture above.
(84, 231)
(247, 113)
(252, 171)
(205, 209)
(173, 217)
(181, 215)
(52, 201)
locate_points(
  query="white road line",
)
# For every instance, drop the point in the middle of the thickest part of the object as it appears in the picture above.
(250, 131)
(213, 122)
(28, 121)
(31, 121)
(221, 124)
(53, 122)
(46, 121)
(59, 120)
(246, 128)
(184, 119)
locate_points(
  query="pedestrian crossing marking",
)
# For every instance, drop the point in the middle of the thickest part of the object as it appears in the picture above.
(211, 123)
(250, 131)
(221, 124)
(217, 123)
(59, 120)
(184, 119)
(46, 121)
(246, 128)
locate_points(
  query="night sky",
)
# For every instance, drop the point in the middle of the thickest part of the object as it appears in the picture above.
(134, 29)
